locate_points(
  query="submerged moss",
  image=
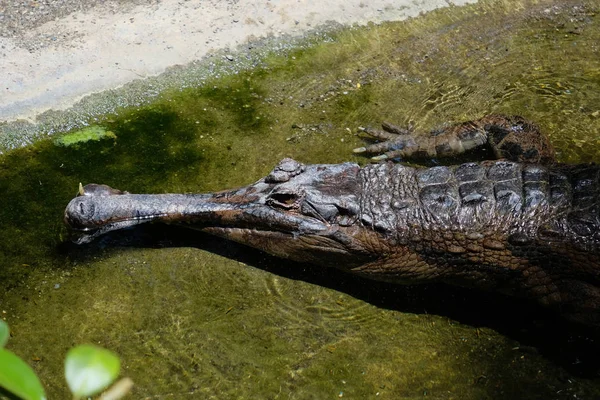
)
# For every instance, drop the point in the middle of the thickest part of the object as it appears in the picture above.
(186, 313)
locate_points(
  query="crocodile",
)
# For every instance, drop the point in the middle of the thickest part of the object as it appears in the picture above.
(520, 224)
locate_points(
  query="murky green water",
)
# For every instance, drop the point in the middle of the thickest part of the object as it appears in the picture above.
(194, 317)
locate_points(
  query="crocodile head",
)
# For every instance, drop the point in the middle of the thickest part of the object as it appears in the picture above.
(302, 212)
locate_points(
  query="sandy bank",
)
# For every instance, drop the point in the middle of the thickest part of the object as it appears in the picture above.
(53, 55)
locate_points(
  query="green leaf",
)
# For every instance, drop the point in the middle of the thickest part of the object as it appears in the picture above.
(93, 132)
(18, 378)
(4, 333)
(90, 369)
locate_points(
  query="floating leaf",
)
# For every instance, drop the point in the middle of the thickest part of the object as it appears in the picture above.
(18, 378)
(84, 135)
(4, 333)
(90, 369)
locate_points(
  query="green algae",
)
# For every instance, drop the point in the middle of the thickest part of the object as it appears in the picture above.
(190, 315)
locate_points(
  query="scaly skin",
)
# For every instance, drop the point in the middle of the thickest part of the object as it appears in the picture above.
(523, 229)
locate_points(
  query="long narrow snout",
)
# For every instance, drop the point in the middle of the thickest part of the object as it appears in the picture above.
(99, 209)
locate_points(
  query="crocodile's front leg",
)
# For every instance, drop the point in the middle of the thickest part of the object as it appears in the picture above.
(510, 137)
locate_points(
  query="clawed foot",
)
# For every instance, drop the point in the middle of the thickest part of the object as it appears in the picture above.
(397, 142)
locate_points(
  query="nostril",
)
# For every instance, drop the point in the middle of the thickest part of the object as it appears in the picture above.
(80, 214)
(86, 209)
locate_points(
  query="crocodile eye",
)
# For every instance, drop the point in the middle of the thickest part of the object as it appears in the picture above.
(284, 171)
(283, 200)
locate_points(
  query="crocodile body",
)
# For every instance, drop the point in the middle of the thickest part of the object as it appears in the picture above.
(528, 229)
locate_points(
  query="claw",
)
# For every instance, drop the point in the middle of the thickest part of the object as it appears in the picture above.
(391, 128)
(360, 150)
